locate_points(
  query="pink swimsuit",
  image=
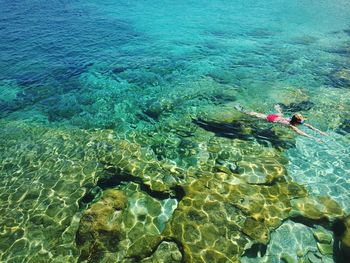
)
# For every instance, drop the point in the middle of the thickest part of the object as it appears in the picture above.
(272, 117)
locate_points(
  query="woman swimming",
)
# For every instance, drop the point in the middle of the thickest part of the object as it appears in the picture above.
(293, 122)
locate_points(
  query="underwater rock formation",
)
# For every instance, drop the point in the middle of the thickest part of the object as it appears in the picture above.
(321, 209)
(65, 108)
(344, 127)
(340, 78)
(60, 167)
(294, 242)
(166, 252)
(345, 239)
(157, 107)
(209, 210)
(125, 224)
(297, 107)
(217, 221)
(100, 230)
(139, 162)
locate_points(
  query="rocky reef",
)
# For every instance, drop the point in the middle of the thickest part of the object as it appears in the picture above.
(217, 221)
(99, 230)
(182, 179)
(120, 198)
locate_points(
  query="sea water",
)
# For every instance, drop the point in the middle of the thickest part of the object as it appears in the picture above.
(143, 92)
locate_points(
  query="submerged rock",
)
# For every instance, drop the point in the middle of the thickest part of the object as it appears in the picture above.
(291, 242)
(319, 209)
(229, 202)
(167, 252)
(345, 239)
(64, 108)
(322, 237)
(132, 159)
(344, 127)
(217, 221)
(9, 101)
(156, 108)
(100, 230)
(262, 169)
(297, 107)
(313, 258)
(340, 78)
(325, 249)
(124, 224)
(286, 258)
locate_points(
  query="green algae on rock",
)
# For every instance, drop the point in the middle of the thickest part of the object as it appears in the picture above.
(318, 209)
(99, 230)
(219, 220)
(166, 252)
(322, 236)
(124, 224)
(47, 180)
(60, 165)
(325, 249)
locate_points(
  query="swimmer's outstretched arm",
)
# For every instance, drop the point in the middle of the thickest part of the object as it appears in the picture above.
(315, 129)
(303, 133)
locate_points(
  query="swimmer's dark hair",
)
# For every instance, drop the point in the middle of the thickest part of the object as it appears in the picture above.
(297, 119)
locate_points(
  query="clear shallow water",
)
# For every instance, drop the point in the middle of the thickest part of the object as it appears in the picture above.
(86, 86)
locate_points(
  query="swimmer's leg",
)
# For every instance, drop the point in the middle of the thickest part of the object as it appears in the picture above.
(251, 113)
(256, 114)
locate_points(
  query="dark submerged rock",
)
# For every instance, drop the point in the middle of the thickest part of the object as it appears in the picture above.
(118, 70)
(344, 128)
(66, 108)
(341, 229)
(157, 107)
(296, 107)
(340, 78)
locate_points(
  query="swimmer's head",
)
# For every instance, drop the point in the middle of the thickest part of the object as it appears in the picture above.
(297, 119)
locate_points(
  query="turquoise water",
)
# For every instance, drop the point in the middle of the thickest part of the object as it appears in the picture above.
(138, 97)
